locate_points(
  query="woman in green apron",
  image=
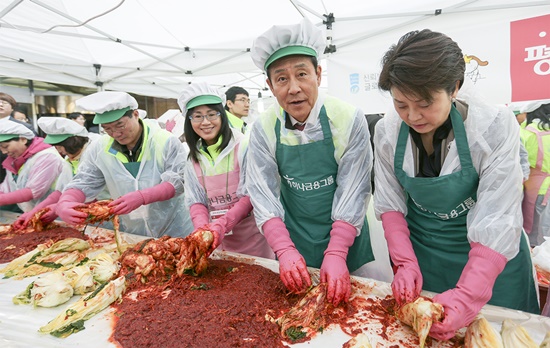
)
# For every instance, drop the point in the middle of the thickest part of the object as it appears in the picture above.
(449, 182)
(308, 172)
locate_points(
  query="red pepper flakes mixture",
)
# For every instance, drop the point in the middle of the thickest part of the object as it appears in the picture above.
(15, 244)
(376, 316)
(225, 307)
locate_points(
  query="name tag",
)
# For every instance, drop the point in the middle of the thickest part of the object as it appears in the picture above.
(216, 214)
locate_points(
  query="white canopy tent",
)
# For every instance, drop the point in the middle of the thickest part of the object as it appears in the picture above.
(153, 48)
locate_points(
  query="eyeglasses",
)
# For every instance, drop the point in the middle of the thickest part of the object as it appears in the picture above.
(3, 102)
(244, 100)
(198, 118)
(118, 128)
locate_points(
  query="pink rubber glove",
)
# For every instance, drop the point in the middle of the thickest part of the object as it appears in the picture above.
(170, 124)
(226, 223)
(48, 217)
(334, 270)
(199, 215)
(69, 200)
(407, 282)
(292, 266)
(19, 196)
(473, 290)
(133, 200)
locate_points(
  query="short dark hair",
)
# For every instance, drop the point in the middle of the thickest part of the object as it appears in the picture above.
(312, 58)
(542, 113)
(232, 92)
(192, 138)
(422, 62)
(73, 144)
(8, 98)
(74, 115)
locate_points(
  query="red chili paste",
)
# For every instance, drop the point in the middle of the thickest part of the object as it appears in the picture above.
(14, 245)
(225, 307)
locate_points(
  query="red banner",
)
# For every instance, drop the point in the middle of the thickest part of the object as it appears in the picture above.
(530, 58)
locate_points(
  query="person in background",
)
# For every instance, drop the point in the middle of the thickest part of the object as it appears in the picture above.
(33, 167)
(71, 140)
(237, 106)
(78, 118)
(19, 114)
(448, 186)
(534, 118)
(214, 176)
(309, 163)
(141, 166)
(7, 106)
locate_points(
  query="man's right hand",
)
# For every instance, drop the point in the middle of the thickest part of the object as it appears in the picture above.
(65, 208)
(66, 211)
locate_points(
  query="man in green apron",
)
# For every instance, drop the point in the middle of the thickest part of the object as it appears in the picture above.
(141, 166)
(309, 163)
(448, 183)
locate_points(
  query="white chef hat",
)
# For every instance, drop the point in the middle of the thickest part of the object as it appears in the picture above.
(284, 40)
(109, 106)
(11, 130)
(200, 93)
(142, 113)
(527, 106)
(58, 129)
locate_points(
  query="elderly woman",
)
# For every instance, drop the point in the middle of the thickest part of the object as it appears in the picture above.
(33, 167)
(448, 186)
(71, 140)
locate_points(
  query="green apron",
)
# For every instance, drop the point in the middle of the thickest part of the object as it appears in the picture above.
(437, 212)
(132, 168)
(308, 182)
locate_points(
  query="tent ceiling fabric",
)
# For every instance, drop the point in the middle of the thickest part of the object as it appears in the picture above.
(153, 47)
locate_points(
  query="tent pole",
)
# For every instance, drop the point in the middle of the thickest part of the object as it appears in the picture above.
(33, 106)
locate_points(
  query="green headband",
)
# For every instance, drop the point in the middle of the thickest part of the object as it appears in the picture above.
(289, 51)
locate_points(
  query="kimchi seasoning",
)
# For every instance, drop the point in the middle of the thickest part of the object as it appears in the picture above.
(16, 244)
(225, 307)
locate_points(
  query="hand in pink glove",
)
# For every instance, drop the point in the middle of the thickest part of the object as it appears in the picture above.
(133, 200)
(334, 270)
(170, 124)
(49, 216)
(292, 266)
(199, 215)
(46, 218)
(218, 232)
(227, 222)
(407, 281)
(473, 290)
(69, 200)
(19, 196)
(23, 220)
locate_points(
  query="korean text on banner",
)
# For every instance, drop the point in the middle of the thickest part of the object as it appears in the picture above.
(530, 58)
